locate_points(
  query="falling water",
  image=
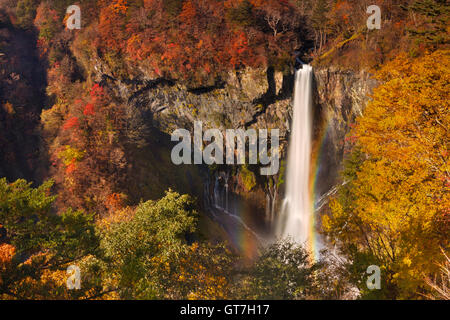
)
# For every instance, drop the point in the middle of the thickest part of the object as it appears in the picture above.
(225, 207)
(296, 214)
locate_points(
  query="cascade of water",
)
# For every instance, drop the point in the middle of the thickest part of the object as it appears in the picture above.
(296, 213)
(225, 207)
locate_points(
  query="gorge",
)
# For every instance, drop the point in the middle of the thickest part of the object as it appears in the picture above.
(119, 155)
(255, 202)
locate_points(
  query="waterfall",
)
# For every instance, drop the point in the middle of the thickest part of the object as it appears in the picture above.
(224, 206)
(223, 199)
(296, 213)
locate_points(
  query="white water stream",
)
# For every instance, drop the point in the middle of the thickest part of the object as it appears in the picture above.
(296, 214)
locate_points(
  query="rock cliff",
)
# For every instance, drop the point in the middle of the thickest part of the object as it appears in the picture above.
(251, 98)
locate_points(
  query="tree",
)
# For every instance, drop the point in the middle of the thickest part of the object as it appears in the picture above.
(242, 14)
(433, 28)
(439, 284)
(393, 211)
(319, 19)
(148, 256)
(203, 272)
(145, 254)
(88, 158)
(38, 242)
(282, 271)
(47, 21)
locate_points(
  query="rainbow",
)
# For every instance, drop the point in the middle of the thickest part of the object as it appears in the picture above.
(317, 163)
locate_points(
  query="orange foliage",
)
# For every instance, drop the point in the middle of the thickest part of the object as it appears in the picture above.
(115, 201)
(111, 28)
(89, 160)
(71, 167)
(200, 270)
(7, 252)
(120, 6)
(58, 80)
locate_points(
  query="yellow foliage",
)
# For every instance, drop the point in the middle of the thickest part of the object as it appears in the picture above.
(402, 189)
(200, 274)
(114, 217)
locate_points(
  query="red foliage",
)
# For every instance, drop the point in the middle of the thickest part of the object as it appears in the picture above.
(189, 12)
(97, 91)
(71, 123)
(112, 27)
(197, 43)
(98, 96)
(89, 110)
(239, 50)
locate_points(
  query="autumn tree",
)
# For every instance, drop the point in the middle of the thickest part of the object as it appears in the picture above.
(242, 14)
(87, 150)
(203, 272)
(393, 211)
(439, 283)
(39, 243)
(147, 254)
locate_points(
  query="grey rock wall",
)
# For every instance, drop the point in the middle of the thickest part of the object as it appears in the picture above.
(252, 98)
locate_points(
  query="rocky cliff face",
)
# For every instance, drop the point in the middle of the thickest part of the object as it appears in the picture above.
(256, 98)
(340, 97)
(252, 98)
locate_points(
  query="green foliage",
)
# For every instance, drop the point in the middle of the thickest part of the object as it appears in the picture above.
(70, 154)
(25, 12)
(25, 213)
(283, 271)
(48, 22)
(248, 178)
(139, 248)
(282, 174)
(50, 241)
(434, 30)
(242, 15)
